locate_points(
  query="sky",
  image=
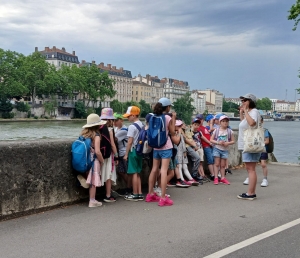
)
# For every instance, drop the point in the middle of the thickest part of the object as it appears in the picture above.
(233, 46)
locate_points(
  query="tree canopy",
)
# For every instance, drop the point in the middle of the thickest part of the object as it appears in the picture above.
(294, 13)
(184, 108)
(264, 104)
(230, 107)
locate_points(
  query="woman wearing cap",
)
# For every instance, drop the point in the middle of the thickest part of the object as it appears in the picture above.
(91, 130)
(162, 155)
(249, 117)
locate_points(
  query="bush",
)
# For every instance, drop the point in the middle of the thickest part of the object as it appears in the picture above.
(29, 114)
(7, 115)
(46, 117)
(36, 117)
(22, 107)
(90, 111)
(80, 110)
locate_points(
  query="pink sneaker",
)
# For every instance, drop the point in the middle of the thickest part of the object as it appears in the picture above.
(152, 198)
(216, 181)
(194, 182)
(224, 181)
(188, 182)
(165, 202)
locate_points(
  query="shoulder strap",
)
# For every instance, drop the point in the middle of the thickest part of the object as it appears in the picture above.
(229, 131)
(137, 126)
(124, 129)
(216, 133)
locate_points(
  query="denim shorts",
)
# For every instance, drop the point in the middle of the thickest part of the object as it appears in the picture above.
(223, 154)
(250, 157)
(264, 156)
(208, 152)
(162, 154)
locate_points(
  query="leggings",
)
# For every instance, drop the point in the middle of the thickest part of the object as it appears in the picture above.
(185, 170)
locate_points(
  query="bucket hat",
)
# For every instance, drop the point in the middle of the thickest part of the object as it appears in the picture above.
(107, 113)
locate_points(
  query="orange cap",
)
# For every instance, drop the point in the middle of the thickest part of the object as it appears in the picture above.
(133, 110)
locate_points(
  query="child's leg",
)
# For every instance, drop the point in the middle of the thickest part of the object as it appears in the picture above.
(216, 166)
(139, 182)
(177, 174)
(135, 183)
(222, 169)
(170, 174)
(108, 187)
(153, 175)
(186, 172)
(201, 170)
(92, 192)
(180, 172)
(163, 175)
(264, 168)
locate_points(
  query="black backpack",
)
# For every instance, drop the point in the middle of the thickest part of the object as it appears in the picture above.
(105, 144)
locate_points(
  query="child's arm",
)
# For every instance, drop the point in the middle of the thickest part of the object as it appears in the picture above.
(212, 138)
(232, 139)
(204, 139)
(113, 145)
(98, 153)
(128, 147)
(172, 124)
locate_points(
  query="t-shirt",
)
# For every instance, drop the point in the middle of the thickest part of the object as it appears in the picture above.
(197, 139)
(121, 135)
(188, 135)
(169, 144)
(134, 132)
(222, 136)
(206, 134)
(244, 126)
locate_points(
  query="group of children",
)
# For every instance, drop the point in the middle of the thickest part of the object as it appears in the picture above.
(169, 162)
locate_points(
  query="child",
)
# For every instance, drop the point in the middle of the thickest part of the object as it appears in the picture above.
(91, 130)
(108, 170)
(135, 162)
(162, 155)
(222, 138)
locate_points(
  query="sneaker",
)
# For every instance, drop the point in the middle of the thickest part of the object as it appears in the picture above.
(109, 199)
(216, 181)
(93, 204)
(264, 183)
(171, 184)
(228, 171)
(245, 196)
(165, 202)
(140, 197)
(206, 179)
(82, 181)
(212, 178)
(193, 182)
(246, 182)
(181, 183)
(152, 198)
(132, 197)
(188, 182)
(122, 192)
(157, 190)
(224, 181)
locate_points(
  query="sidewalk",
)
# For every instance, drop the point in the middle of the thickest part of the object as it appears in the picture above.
(203, 220)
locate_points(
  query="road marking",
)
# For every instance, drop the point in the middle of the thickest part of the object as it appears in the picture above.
(253, 240)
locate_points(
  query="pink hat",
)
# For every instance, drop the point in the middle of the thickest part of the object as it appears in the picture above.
(178, 123)
(107, 113)
(223, 117)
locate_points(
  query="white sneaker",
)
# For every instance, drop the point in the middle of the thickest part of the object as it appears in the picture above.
(264, 183)
(157, 190)
(246, 182)
(93, 204)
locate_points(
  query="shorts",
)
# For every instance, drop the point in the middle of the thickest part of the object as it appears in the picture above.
(264, 156)
(173, 163)
(201, 154)
(223, 154)
(208, 151)
(135, 163)
(162, 154)
(250, 157)
(122, 166)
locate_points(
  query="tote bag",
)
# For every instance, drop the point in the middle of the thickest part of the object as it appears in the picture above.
(254, 139)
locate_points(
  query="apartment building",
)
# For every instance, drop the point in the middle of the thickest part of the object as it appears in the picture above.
(214, 97)
(234, 100)
(297, 105)
(199, 101)
(174, 89)
(59, 57)
(148, 88)
(210, 107)
(285, 106)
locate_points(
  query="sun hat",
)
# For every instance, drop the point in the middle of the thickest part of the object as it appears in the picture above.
(93, 120)
(200, 117)
(223, 117)
(209, 117)
(249, 96)
(178, 123)
(118, 116)
(132, 110)
(107, 113)
(165, 102)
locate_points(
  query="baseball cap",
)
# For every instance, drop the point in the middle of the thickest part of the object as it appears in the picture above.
(223, 117)
(218, 116)
(132, 110)
(165, 102)
(178, 123)
(209, 117)
(249, 96)
(196, 120)
(118, 116)
(199, 116)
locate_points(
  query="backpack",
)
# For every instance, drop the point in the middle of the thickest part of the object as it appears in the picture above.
(142, 146)
(270, 145)
(81, 151)
(105, 144)
(157, 136)
(125, 140)
(229, 132)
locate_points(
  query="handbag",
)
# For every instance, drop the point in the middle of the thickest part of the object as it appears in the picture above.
(254, 139)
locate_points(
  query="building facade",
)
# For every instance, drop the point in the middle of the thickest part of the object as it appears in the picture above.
(174, 89)
(297, 105)
(210, 107)
(199, 101)
(234, 100)
(285, 106)
(214, 97)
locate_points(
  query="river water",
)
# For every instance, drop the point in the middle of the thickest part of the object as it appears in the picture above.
(286, 134)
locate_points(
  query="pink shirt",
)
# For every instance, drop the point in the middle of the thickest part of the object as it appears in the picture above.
(169, 144)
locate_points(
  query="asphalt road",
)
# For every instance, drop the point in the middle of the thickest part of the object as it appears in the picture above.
(202, 221)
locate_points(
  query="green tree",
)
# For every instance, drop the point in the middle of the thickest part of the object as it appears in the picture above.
(80, 111)
(229, 106)
(50, 105)
(5, 108)
(145, 108)
(294, 13)
(264, 104)
(184, 108)
(117, 106)
(11, 75)
(22, 107)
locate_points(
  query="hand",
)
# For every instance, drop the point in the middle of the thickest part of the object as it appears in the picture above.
(174, 114)
(116, 162)
(125, 157)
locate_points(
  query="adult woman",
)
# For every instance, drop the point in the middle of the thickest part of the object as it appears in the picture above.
(249, 117)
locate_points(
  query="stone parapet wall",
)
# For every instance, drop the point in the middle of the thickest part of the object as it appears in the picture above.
(38, 174)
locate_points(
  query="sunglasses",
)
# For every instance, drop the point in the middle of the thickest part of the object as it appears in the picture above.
(244, 100)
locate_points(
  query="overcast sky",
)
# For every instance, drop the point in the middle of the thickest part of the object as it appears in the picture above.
(234, 46)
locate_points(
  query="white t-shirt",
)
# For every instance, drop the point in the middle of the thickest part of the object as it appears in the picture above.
(244, 126)
(121, 135)
(134, 132)
(222, 136)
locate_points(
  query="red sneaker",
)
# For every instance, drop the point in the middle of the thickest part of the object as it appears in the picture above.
(165, 202)
(216, 181)
(152, 198)
(224, 181)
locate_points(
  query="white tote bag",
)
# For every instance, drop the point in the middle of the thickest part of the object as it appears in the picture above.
(254, 139)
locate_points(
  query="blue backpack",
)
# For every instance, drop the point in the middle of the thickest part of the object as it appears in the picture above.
(141, 139)
(157, 136)
(81, 151)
